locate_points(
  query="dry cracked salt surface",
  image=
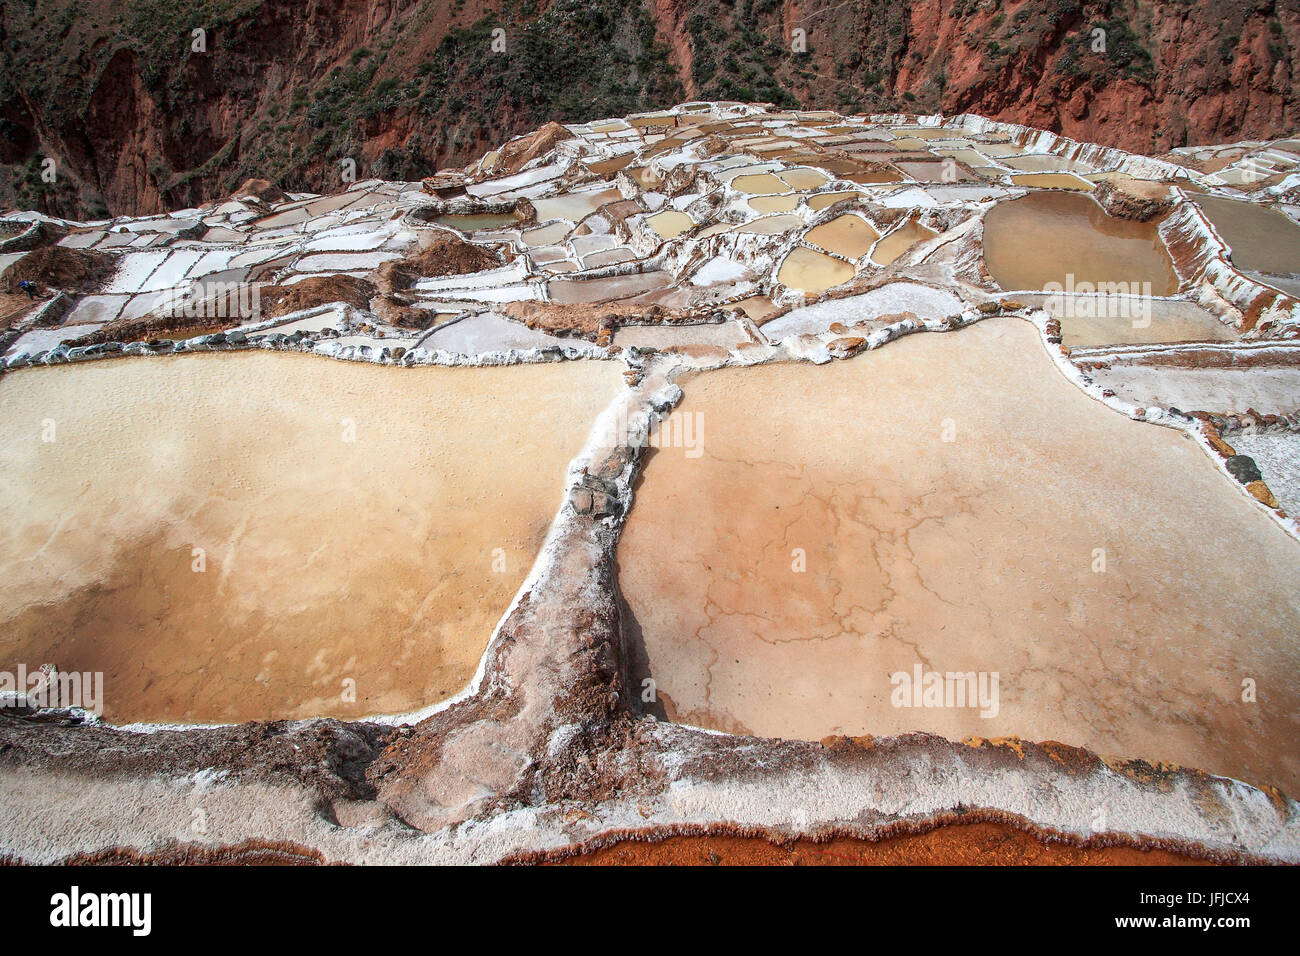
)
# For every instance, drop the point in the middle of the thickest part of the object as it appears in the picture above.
(778, 579)
(511, 718)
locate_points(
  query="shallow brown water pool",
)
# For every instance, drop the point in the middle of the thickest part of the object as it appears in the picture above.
(354, 523)
(1262, 239)
(1048, 237)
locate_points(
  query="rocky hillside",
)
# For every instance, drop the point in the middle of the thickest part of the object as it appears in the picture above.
(141, 113)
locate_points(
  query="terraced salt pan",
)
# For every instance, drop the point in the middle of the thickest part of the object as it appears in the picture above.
(573, 291)
(756, 307)
(97, 309)
(520, 181)
(574, 206)
(488, 332)
(813, 555)
(813, 272)
(1050, 237)
(822, 200)
(42, 340)
(1045, 163)
(719, 270)
(899, 241)
(766, 204)
(247, 456)
(473, 223)
(133, 270)
(771, 225)
(670, 223)
(325, 319)
(372, 342)
(849, 236)
(293, 216)
(725, 334)
(1261, 239)
(546, 235)
(760, 184)
(1089, 320)
(363, 242)
(1287, 284)
(888, 300)
(1052, 181)
(343, 261)
(802, 178)
(1270, 391)
(172, 272)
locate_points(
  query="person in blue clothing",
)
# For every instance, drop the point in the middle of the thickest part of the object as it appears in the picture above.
(29, 287)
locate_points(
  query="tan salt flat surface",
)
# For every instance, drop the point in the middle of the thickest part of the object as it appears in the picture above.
(774, 225)
(970, 555)
(873, 176)
(325, 559)
(1261, 237)
(803, 178)
(1269, 390)
(1046, 163)
(757, 307)
(574, 206)
(545, 235)
(474, 222)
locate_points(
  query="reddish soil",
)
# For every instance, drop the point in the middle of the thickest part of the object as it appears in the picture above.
(517, 154)
(962, 844)
(262, 189)
(57, 267)
(445, 255)
(14, 307)
(134, 142)
(274, 302)
(280, 300)
(250, 853)
(585, 320)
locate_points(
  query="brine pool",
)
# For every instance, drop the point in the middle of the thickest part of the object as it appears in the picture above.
(243, 536)
(1067, 238)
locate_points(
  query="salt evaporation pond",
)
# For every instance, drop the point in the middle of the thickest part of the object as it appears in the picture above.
(356, 523)
(812, 556)
(812, 272)
(1047, 237)
(472, 222)
(848, 236)
(899, 241)
(1261, 239)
